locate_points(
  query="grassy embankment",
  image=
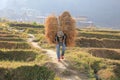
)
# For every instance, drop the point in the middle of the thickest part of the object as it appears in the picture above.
(18, 59)
(96, 52)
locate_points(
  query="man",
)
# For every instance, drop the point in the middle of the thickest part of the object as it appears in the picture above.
(60, 41)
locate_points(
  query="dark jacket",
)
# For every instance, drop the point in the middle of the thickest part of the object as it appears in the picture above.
(63, 38)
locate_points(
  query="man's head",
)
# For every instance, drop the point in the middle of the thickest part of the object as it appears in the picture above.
(60, 33)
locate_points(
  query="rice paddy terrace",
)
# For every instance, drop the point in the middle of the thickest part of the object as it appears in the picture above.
(97, 52)
(99, 41)
(18, 59)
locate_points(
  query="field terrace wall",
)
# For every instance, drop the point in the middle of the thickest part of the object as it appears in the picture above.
(98, 43)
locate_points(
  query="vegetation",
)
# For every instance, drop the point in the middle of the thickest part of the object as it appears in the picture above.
(14, 45)
(18, 59)
(99, 43)
(90, 65)
(97, 53)
(27, 73)
(11, 39)
(34, 25)
(17, 55)
(99, 35)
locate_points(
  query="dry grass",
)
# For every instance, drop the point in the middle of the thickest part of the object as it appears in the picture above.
(51, 28)
(106, 74)
(68, 26)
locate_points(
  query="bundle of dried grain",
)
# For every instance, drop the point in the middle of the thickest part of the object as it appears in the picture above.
(51, 28)
(68, 26)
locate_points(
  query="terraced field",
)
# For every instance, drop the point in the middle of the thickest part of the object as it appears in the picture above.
(97, 52)
(19, 60)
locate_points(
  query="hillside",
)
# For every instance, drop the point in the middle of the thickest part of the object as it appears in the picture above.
(103, 13)
(97, 53)
(19, 60)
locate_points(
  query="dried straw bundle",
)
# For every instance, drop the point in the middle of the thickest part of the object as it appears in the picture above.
(68, 26)
(51, 28)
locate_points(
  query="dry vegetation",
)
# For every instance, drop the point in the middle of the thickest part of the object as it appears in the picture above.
(68, 26)
(51, 28)
(65, 23)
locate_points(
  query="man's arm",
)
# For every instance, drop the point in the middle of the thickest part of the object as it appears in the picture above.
(64, 38)
(56, 40)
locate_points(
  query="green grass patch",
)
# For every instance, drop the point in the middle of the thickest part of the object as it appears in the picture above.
(105, 53)
(98, 43)
(8, 35)
(34, 30)
(14, 45)
(27, 73)
(11, 39)
(98, 35)
(107, 31)
(17, 55)
(5, 32)
(29, 25)
(85, 62)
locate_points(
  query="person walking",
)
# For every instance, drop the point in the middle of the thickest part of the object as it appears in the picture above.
(60, 42)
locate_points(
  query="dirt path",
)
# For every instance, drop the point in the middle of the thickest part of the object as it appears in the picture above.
(60, 67)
